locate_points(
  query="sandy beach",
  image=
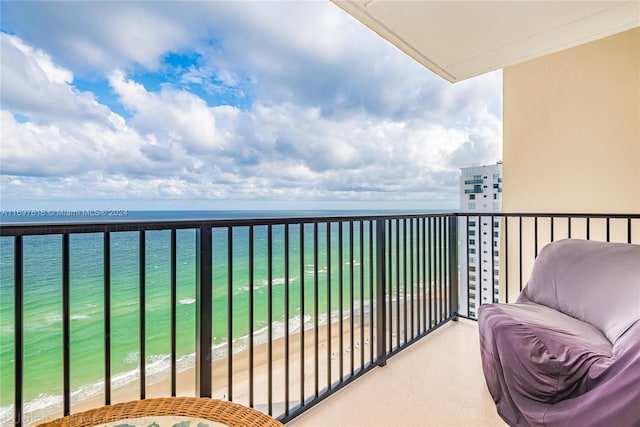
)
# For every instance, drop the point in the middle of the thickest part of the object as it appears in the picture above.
(358, 349)
(328, 360)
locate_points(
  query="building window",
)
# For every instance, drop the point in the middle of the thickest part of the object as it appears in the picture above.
(472, 232)
(472, 268)
(496, 234)
(472, 223)
(495, 185)
(473, 196)
(472, 241)
(472, 251)
(495, 196)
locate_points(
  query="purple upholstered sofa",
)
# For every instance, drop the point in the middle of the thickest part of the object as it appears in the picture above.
(568, 352)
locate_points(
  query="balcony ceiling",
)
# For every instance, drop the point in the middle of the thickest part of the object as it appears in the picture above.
(461, 39)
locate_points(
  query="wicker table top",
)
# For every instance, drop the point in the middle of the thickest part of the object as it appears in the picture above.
(227, 413)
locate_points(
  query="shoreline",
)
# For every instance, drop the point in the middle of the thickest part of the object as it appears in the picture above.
(185, 380)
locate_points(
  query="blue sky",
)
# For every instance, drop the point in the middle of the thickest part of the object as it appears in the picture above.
(228, 105)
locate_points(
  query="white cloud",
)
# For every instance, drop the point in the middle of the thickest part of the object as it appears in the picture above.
(32, 85)
(332, 112)
(172, 116)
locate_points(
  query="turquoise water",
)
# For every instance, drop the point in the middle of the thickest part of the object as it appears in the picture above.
(43, 302)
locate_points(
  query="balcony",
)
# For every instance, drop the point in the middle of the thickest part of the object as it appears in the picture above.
(301, 318)
(400, 394)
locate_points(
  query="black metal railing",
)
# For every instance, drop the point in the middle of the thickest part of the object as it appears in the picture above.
(278, 313)
(287, 311)
(497, 250)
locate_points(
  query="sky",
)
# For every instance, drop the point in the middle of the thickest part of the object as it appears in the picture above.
(228, 105)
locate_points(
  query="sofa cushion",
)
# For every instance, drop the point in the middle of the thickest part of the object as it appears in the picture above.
(596, 282)
(542, 354)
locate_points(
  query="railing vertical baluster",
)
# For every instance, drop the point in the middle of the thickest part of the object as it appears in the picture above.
(552, 219)
(468, 269)
(380, 293)
(404, 278)
(389, 296)
(628, 230)
(422, 260)
(143, 281)
(569, 227)
(418, 278)
(351, 297)
(479, 254)
(431, 302)
(302, 273)
(174, 307)
(493, 260)
(329, 367)
(270, 318)
(520, 249)
(340, 300)
(107, 316)
(411, 268)
(66, 332)
(230, 313)
(286, 319)
(506, 259)
(608, 222)
(436, 270)
(535, 234)
(18, 313)
(398, 283)
(251, 310)
(371, 297)
(361, 295)
(444, 267)
(316, 323)
(425, 282)
(588, 228)
(204, 310)
(453, 266)
(440, 271)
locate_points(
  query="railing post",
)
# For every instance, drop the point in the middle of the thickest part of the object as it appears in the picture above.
(453, 266)
(204, 310)
(381, 303)
(18, 330)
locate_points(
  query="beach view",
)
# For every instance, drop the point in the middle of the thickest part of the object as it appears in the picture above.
(167, 171)
(337, 301)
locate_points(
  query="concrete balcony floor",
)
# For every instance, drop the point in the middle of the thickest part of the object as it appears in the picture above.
(437, 381)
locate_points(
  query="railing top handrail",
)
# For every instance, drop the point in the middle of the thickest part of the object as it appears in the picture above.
(33, 228)
(550, 215)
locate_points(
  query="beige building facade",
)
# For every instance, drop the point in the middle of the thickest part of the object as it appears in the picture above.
(571, 145)
(572, 129)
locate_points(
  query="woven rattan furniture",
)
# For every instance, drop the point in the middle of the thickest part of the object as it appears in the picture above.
(228, 413)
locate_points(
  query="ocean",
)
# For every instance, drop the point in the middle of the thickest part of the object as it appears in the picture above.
(43, 298)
